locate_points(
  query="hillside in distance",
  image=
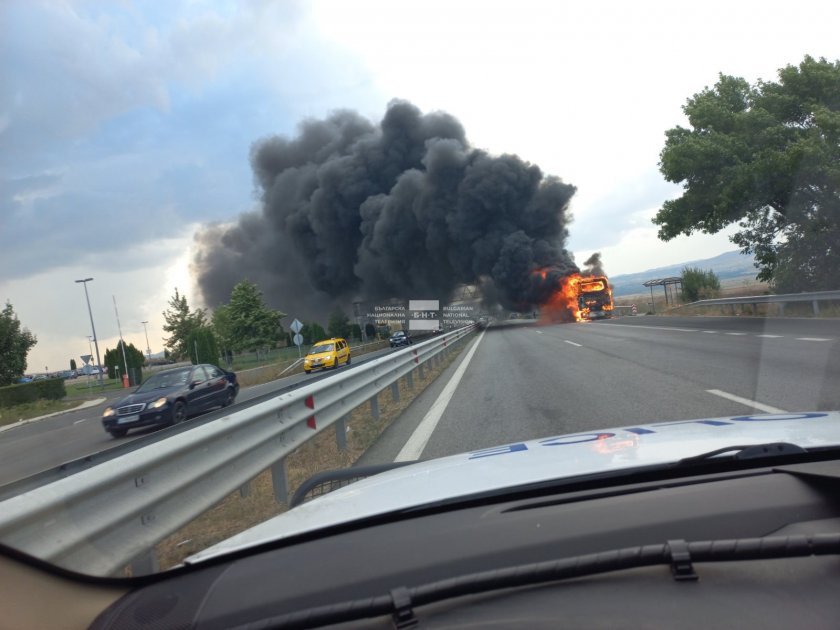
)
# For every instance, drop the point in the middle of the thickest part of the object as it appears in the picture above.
(728, 266)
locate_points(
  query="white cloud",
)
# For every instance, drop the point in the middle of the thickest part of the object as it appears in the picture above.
(53, 306)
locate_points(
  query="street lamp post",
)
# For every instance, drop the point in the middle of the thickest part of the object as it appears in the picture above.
(148, 349)
(93, 329)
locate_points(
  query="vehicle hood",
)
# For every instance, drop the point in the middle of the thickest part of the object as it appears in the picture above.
(320, 355)
(527, 462)
(145, 397)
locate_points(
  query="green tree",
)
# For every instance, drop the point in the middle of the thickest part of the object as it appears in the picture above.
(180, 322)
(698, 284)
(203, 347)
(768, 158)
(356, 332)
(312, 332)
(15, 344)
(252, 325)
(73, 364)
(338, 324)
(113, 359)
(222, 327)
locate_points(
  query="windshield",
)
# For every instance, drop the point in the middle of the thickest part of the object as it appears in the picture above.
(361, 233)
(174, 378)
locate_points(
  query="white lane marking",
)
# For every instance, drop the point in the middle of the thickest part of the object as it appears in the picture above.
(572, 343)
(710, 332)
(770, 336)
(539, 332)
(413, 448)
(746, 401)
(80, 421)
(735, 334)
(812, 339)
(650, 327)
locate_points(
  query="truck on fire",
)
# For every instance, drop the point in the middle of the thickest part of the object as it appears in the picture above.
(594, 298)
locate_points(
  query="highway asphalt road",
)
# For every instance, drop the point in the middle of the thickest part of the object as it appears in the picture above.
(524, 381)
(527, 381)
(38, 446)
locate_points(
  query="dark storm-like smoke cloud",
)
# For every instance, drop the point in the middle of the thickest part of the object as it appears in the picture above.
(404, 209)
(593, 266)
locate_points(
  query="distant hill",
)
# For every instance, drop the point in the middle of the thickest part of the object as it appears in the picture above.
(728, 266)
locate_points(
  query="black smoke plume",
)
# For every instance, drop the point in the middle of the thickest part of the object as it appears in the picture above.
(403, 209)
(593, 266)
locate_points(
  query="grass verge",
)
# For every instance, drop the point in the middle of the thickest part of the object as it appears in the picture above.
(236, 512)
(10, 415)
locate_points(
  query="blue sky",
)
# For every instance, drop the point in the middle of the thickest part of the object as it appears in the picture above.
(125, 126)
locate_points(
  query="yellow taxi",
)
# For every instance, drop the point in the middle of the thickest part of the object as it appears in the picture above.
(328, 353)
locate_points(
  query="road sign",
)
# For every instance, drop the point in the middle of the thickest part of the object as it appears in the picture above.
(298, 339)
(296, 327)
(86, 358)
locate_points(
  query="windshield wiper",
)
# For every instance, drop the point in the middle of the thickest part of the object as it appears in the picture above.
(747, 451)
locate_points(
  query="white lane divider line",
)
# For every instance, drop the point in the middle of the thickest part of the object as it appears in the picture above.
(735, 334)
(770, 336)
(709, 332)
(650, 327)
(812, 339)
(415, 445)
(746, 401)
(539, 332)
(572, 343)
(80, 421)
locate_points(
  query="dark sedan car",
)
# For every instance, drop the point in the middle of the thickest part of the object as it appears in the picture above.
(171, 396)
(400, 338)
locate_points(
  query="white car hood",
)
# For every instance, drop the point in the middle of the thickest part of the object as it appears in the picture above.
(535, 461)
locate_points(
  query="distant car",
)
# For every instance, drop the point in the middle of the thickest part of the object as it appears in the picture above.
(400, 338)
(25, 379)
(170, 397)
(327, 353)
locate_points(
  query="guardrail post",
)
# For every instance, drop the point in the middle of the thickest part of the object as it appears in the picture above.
(409, 380)
(420, 372)
(395, 391)
(145, 564)
(341, 433)
(374, 407)
(816, 307)
(245, 490)
(280, 481)
(781, 306)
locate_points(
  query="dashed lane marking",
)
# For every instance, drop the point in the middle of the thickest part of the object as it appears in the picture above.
(746, 401)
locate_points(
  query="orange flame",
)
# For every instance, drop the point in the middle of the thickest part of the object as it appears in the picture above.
(564, 304)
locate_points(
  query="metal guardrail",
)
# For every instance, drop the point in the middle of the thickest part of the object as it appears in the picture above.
(103, 518)
(815, 297)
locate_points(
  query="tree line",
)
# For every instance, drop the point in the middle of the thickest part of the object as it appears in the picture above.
(244, 324)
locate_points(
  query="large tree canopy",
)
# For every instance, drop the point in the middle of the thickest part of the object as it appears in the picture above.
(180, 323)
(767, 157)
(250, 323)
(15, 344)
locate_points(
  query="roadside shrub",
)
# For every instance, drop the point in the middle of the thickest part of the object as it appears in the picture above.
(699, 284)
(51, 389)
